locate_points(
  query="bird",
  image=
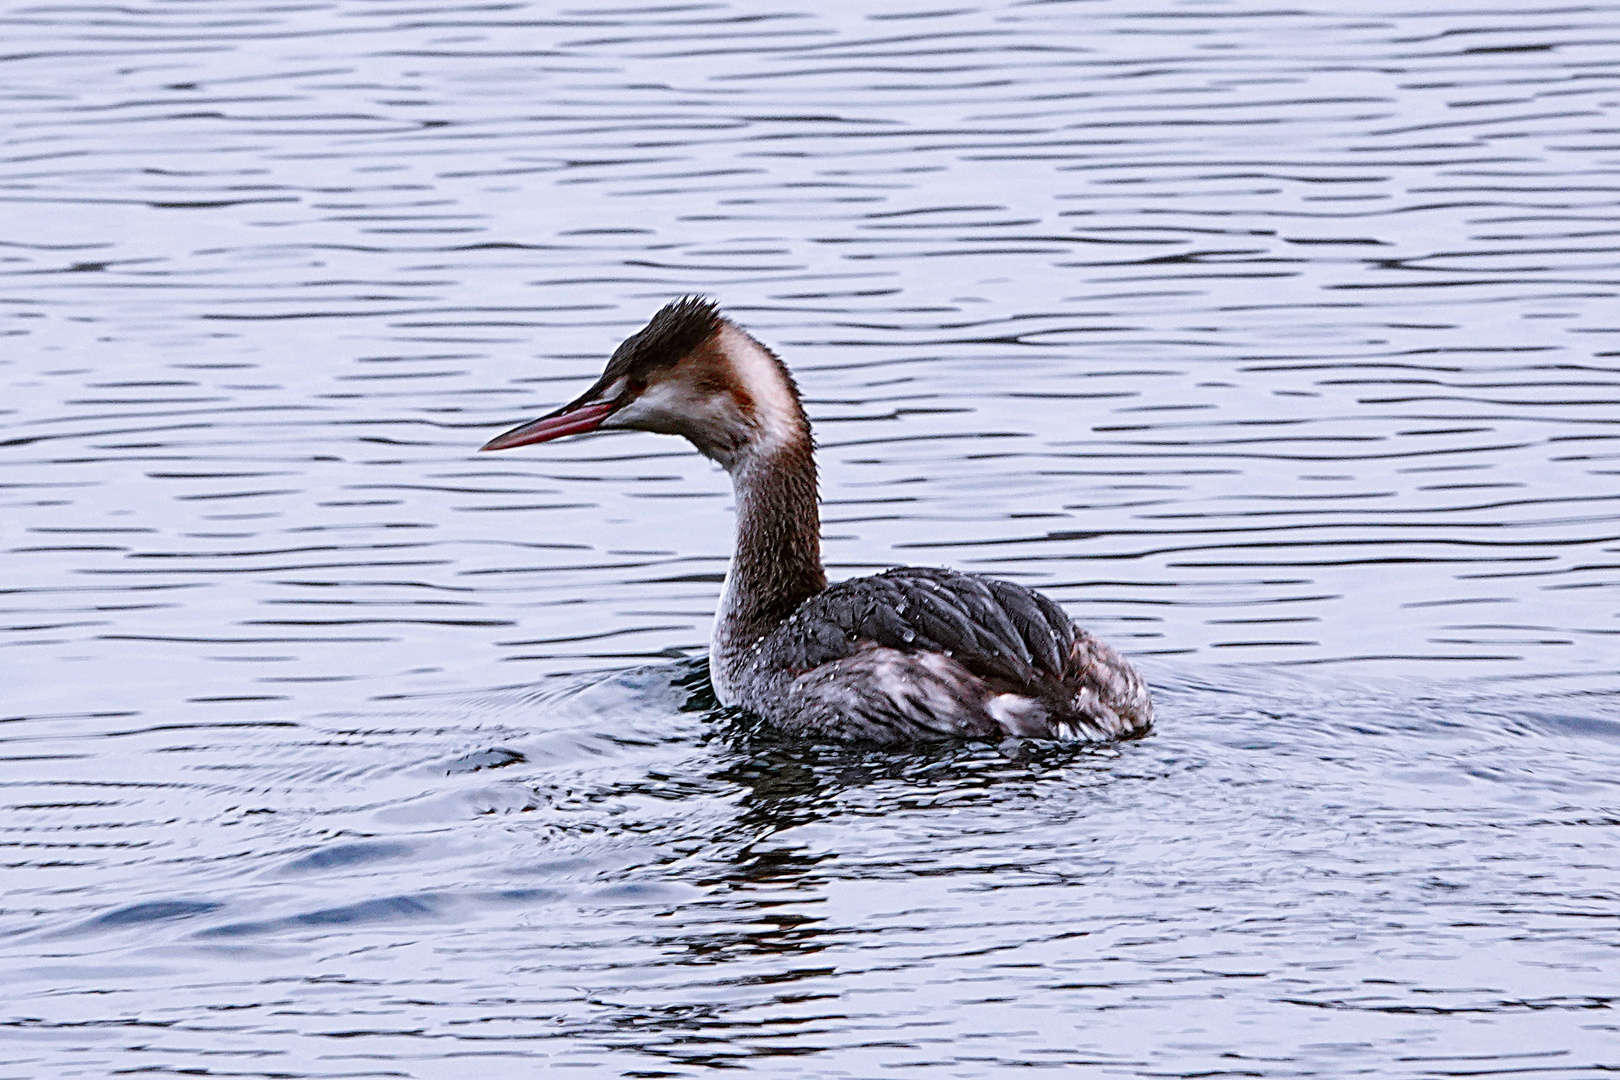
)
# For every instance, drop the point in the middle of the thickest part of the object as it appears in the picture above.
(909, 655)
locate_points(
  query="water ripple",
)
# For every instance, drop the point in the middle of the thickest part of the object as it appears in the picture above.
(1276, 344)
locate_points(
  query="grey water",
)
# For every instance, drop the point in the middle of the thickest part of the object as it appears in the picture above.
(1279, 343)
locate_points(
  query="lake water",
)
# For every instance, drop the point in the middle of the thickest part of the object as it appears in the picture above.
(1280, 344)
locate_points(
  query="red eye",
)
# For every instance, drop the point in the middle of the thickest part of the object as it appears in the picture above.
(637, 385)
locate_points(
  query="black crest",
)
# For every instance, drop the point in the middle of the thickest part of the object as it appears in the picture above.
(675, 331)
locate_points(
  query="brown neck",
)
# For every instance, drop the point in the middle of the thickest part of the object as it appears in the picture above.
(776, 564)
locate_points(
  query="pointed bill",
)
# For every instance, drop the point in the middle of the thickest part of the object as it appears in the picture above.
(568, 420)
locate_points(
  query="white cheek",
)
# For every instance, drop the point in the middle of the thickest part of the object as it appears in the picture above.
(671, 408)
(659, 408)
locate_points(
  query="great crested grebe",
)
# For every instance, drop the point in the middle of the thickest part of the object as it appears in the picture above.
(909, 654)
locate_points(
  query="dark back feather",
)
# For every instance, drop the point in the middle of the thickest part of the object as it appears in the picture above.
(997, 630)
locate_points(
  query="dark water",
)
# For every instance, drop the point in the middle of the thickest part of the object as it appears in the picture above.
(1280, 344)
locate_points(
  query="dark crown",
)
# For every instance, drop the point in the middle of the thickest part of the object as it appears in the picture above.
(675, 331)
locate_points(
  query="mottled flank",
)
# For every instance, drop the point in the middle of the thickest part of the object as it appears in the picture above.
(919, 653)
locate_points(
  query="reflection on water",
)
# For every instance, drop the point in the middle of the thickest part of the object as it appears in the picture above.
(1283, 337)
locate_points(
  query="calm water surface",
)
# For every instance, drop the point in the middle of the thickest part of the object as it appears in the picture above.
(1280, 344)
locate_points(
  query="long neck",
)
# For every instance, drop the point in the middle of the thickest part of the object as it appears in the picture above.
(776, 564)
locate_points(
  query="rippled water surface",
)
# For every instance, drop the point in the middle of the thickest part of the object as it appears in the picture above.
(1280, 344)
